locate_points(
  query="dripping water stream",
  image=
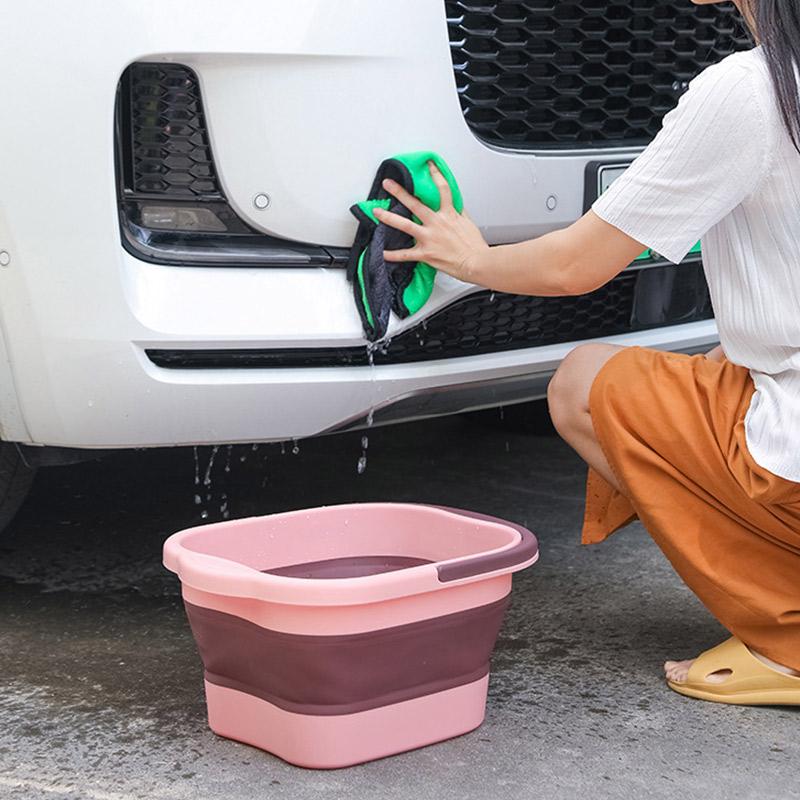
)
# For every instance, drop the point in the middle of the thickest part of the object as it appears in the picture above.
(197, 499)
(204, 478)
(372, 347)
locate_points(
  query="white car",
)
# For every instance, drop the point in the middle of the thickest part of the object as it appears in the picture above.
(175, 179)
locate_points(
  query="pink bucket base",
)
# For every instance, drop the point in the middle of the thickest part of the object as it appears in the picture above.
(331, 742)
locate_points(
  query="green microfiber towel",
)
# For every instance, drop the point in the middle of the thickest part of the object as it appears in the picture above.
(381, 286)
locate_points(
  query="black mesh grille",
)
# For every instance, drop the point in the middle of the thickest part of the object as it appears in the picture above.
(540, 73)
(169, 152)
(490, 323)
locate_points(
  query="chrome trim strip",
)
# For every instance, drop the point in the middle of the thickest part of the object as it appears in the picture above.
(268, 253)
(560, 152)
(439, 401)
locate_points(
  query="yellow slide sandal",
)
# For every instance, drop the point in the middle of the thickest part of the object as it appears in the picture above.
(751, 682)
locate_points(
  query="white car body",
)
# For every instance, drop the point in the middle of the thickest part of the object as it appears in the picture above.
(302, 101)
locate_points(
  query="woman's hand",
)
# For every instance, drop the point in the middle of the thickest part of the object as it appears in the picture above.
(447, 240)
(568, 261)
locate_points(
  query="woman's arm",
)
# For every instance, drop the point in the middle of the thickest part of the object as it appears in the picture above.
(570, 261)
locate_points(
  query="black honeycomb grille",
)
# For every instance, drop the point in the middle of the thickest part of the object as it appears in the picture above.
(490, 322)
(484, 323)
(540, 73)
(169, 154)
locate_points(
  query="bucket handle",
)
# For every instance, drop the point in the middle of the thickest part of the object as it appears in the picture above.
(524, 550)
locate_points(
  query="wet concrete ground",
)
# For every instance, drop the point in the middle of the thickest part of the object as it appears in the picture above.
(102, 693)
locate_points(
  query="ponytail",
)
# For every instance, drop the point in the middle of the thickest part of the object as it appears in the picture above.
(777, 29)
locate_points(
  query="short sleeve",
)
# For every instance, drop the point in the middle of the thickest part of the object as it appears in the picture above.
(710, 153)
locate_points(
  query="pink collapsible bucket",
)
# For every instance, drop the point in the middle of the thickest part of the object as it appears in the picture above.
(337, 635)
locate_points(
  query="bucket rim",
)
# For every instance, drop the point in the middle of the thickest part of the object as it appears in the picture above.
(219, 575)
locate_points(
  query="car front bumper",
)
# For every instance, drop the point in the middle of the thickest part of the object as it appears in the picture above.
(283, 85)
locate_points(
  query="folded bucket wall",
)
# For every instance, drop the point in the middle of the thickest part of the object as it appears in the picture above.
(337, 635)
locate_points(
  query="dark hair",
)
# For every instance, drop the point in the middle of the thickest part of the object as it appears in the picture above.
(777, 29)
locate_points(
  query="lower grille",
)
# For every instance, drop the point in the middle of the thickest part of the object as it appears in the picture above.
(486, 322)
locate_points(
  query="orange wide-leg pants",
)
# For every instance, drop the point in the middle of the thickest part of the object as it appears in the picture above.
(672, 429)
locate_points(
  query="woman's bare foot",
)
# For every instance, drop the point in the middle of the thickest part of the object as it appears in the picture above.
(678, 671)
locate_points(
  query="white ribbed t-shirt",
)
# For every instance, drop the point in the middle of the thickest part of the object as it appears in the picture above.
(723, 170)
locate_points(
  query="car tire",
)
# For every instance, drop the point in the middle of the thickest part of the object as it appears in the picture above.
(16, 478)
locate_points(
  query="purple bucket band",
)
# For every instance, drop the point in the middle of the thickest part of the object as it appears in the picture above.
(348, 673)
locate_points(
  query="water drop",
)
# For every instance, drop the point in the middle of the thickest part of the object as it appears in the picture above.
(228, 458)
(196, 467)
(491, 297)
(362, 465)
(204, 514)
(364, 442)
(197, 499)
(210, 467)
(255, 446)
(283, 448)
(295, 447)
(507, 447)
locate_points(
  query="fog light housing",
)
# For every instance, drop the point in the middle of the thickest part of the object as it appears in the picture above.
(172, 207)
(175, 218)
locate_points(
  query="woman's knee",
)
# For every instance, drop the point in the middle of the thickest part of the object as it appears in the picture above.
(568, 390)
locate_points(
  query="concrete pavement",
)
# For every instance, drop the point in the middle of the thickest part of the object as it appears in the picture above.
(102, 693)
